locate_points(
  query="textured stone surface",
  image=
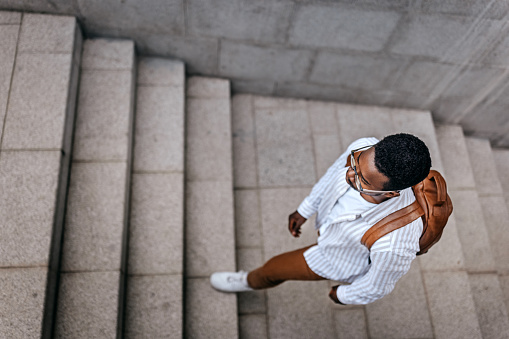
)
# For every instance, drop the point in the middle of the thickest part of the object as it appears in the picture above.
(354, 71)
(160, 72)
(483, 166)
(208, 142)
(210, 241)
(253, 326)
(108, 54)
(350, 324)
(88, 305)
(8, 42)
(490, 306)
(501, 157)
(323, 117)
(38, 102)
(250, 302)
(102, 123)
(447, 254)
(159, 129)
(274, 102)
(47, 34)
(240, 20)
(342, 28)
(254, 62)
(154, 307)
(22, 301)
(202, 319)
(243, 142)
(247, 220)
(133, 17)
(200, 54)
(209, 134)
(68, 7)
(260, 87)
(10, 18)
(504, 285)
(363, 121)
(449, 293)
(285, 310)
(443, 37)
(496, 215)
(27, 205)
(156, 224)
(327, 150)
(424, 77)
(284, 146)
(472, 231)
(200, 87)
(95, 217)
(276, 205)
(403, 313)
(457, 169)
(489, 9)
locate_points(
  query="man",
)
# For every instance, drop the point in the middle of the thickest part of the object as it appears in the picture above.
(369, 181)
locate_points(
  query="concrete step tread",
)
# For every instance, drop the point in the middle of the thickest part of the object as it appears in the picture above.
(481, 231)
(489, 289)
(38, 85)
(95, 233)
(156, 232)
(209, 234)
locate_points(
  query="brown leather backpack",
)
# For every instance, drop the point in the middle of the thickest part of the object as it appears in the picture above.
(432, 203)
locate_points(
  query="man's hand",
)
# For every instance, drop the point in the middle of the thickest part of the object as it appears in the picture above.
(333, 294)
(295, 221)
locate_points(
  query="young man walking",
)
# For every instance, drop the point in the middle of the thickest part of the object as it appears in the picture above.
(371, 180)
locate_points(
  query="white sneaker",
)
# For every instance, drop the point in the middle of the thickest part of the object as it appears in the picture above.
(230, 281)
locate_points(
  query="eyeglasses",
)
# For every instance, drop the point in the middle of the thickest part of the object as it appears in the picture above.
(358, 185)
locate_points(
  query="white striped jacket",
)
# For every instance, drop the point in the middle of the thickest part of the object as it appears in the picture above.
(339, 254)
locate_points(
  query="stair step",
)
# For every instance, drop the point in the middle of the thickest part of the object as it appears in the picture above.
(38, 85)
(209, 234)
(501, 157)
(488, 293)
(468, 165)
(92, 275)
(467, 210)
(156, 233)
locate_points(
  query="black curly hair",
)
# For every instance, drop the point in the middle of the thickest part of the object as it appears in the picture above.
(404, 159)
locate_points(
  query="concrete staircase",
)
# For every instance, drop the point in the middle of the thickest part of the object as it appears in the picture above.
(123, 188)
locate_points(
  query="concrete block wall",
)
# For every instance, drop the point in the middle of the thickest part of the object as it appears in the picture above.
(449, 57)
(40, 57)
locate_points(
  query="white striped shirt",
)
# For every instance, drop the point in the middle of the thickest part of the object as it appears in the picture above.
(339, 254)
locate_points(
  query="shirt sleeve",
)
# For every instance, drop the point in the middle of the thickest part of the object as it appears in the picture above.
(310, 204)
(386, 269)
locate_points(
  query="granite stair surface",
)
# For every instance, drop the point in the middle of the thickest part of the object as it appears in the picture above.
(93, 269)
(209, 234)
(155, 267)
(39, 71)
(124, 185)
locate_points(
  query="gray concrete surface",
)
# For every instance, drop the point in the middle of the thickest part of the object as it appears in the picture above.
(209, 217)
(93, 270)
(38, 85)
(155, 293)
(449, 57)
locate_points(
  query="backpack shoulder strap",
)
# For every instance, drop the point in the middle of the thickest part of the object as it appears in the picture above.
(391, 223)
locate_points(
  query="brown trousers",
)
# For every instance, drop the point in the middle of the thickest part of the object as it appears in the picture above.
(286, 266)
